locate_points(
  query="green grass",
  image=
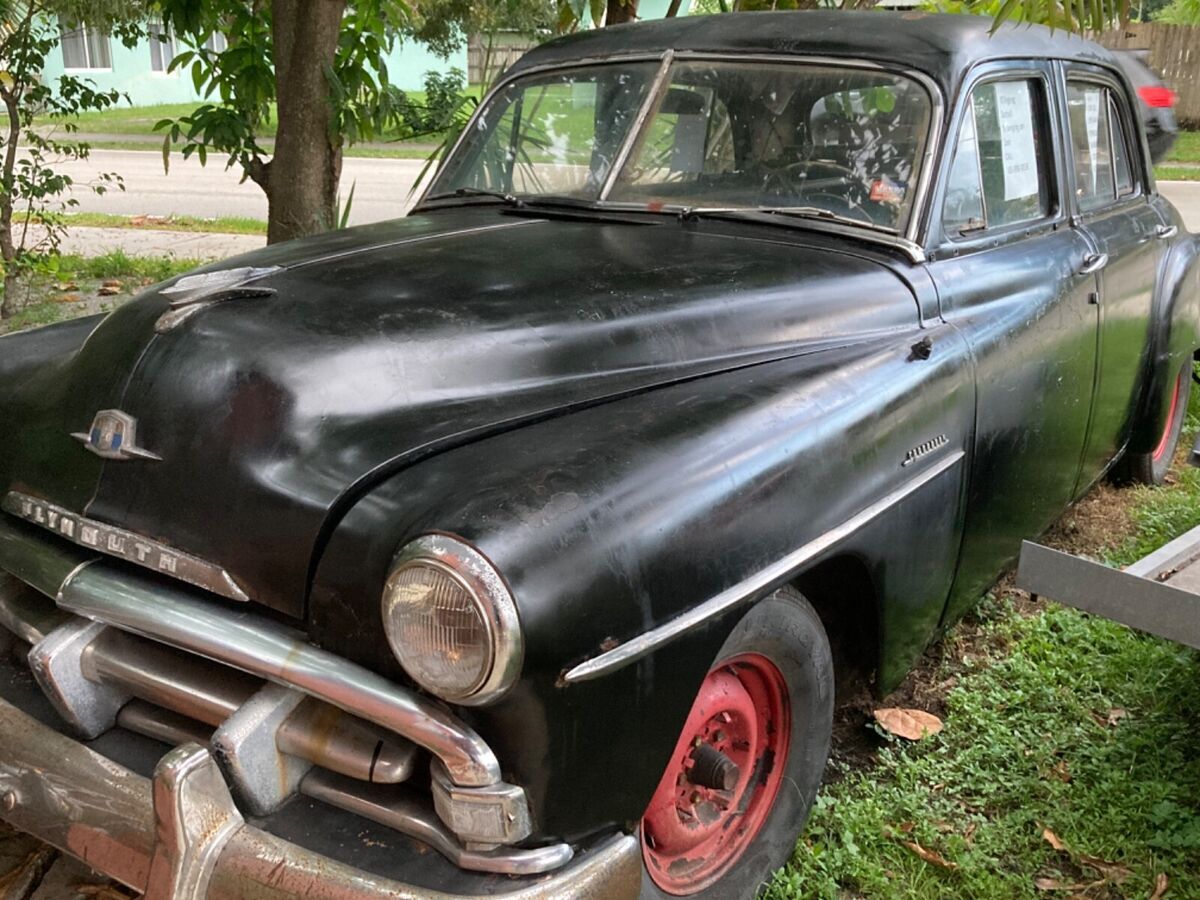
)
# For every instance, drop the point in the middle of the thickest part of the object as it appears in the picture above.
(1023, 709)
(1186, 149)
(1177, 173)
(47, 302)
(220, 225)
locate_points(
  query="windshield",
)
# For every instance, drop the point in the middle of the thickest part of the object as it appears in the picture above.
(805, 138)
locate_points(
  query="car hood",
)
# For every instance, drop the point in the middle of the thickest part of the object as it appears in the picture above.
(382, 345)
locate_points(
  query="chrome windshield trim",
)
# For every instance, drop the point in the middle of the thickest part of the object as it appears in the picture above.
(907, 240)
(752, 587)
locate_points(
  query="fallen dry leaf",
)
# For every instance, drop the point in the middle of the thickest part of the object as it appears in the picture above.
(1045, 883)
(910, 724)
(68, 298)
(1111, 871)
(906, 827)
(1161, 883)
(1053, 840)
(969, 834)
(929, 856)
(1061, 772)
(108, 291)
(68, 286)
(1115, 715)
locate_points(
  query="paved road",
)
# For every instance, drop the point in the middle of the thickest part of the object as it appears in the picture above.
(381, 186)
(381, 192)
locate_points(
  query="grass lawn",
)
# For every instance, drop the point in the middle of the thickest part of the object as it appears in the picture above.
(220, 225)
(1186, 149)
(73, 289)
(1177, 173)
(1054, 721)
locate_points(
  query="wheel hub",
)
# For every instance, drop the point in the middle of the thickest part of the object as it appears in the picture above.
(723, 776)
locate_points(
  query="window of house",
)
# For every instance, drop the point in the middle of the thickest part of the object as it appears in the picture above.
(83, 47)
(162, 47)
(999, 176)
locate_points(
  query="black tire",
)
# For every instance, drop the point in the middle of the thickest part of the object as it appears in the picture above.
(786, 630)
(1152, 467)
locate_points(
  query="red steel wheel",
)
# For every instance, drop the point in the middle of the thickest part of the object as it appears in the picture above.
(723, 776)
(1152, 466)
(1166, 441)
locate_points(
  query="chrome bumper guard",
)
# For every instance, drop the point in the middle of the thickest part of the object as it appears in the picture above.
(281, 716)
(180, 836)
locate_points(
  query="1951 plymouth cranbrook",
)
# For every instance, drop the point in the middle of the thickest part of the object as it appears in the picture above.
(530, 528)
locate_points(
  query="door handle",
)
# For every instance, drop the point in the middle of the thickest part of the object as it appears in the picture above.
(1093, 262)
(1166, 231)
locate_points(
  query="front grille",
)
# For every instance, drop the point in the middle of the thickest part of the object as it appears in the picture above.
(116, 647)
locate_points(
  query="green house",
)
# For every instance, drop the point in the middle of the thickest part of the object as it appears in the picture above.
(141, 71)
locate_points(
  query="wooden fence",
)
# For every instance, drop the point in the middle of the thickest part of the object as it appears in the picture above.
(1174, 52)
(506, 49)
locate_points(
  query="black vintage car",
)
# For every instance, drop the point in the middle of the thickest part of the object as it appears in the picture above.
(722, 353)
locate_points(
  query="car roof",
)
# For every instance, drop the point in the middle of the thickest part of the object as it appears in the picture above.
(942, 46)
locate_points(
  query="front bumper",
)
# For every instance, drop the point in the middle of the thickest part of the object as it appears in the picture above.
(179, 834)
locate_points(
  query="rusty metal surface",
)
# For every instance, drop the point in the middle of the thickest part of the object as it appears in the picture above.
(105, 815)
(259, 866)
(75, 799)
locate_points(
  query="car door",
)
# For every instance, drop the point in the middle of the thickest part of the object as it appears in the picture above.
(1007, 266)
(1111, 205)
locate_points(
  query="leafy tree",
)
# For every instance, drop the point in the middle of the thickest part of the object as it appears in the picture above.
(33, 196)
(1179, 12)
(320, 61)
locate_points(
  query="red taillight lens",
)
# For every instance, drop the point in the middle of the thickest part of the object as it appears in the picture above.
(1157, 96)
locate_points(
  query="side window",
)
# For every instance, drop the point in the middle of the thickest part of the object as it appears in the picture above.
(1122, 151)
(998, 176)
(1100, 147)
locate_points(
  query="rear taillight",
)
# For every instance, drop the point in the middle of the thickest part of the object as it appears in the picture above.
(1157, 96)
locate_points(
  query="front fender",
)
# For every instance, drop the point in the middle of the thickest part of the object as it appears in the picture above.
(614, 520)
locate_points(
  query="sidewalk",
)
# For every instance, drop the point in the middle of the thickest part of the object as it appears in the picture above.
(85, 241)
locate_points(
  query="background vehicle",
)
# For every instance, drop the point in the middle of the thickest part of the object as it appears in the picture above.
(721, 352)
(1156, 99)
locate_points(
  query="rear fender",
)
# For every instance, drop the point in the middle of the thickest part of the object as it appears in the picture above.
(1174, 336)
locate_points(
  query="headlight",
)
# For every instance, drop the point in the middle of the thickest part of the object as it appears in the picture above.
(451, 621)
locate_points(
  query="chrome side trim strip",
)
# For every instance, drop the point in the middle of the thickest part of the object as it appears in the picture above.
(647, 643)
(126, 545)
(262, 647)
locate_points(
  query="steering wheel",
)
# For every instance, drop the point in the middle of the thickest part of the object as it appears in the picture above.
(790, 180)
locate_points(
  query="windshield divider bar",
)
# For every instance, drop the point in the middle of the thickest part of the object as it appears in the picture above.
(648, 106)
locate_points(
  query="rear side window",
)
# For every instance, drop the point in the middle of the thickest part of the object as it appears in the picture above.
(999, 174)
(1100, 147)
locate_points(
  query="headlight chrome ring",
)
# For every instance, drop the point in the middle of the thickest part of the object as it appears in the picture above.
(451, 621)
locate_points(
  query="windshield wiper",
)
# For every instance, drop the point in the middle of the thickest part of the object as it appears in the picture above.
(509, 199)
(765, 213)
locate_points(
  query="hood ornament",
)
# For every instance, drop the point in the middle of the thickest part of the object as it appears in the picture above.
(113, 435)
(193, 293)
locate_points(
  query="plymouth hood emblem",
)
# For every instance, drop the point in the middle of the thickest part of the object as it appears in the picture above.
(113, 435)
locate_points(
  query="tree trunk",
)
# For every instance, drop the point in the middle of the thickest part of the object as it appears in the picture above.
(301, 180)
(620, 11)
(8, 251)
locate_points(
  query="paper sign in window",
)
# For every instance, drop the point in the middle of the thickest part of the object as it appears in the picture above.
(1017, 149)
